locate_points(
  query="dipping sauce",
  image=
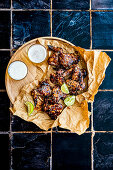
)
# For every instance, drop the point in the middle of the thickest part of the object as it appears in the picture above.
(17, 70)
(37, 53)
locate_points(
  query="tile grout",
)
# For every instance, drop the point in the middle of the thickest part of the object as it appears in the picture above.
(90, 27)
(92, 166)
(48, 132)
(76, 10)
(10, 132)
(51, 158)
(92, 135)
(51, 19)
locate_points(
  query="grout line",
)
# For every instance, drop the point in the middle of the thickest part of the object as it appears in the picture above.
(10, 132)
(76, 10)
(30, 10)
(51, 152)
(102, 49)
(4, 133)
(102, 10)
(92, 135)
(5, 49)
(13, 132)
(105, 89)
(2, 90)
(11, 38)
(5, 9)
(51, 19)
(92, 129)
(90, 27)
(103, 131)
(92, 151)
(48, 132)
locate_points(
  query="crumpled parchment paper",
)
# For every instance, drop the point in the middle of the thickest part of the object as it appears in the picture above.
(75, 117)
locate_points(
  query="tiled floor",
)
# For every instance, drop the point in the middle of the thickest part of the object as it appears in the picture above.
(86, 23)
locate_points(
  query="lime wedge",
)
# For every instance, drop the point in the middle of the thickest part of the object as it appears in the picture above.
(30, 107)
(70, 100)
(64, 88)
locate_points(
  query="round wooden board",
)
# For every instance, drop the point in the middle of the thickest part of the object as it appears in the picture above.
(13, 86)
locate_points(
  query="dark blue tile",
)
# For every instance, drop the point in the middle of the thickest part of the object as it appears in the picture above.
(4, 152)
(4, 112)
(102, 30)
(28, 25)
(31, 4)
(19, 124)
(103, 151)
(4, 29)
(71, 151)
(72, 26)
(4, 59)
(5, 3)
(108, 81)
(31, 151)
(70, 4)
(103, 111)
(102, 4)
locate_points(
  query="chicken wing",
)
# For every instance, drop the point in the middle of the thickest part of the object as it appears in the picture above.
(44, 89)
(38, 100)
(53, 60)
(57, 78)
(53, 110)
(55, 49)
(68, 59)
(57, 94)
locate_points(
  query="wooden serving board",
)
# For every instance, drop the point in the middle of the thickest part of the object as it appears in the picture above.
(13, 86)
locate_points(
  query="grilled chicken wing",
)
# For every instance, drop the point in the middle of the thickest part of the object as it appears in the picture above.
(57, 94)
(60, 76)
(75, 86)
(53, 60)
(57, 78)
(68, 59)
(44, 89)
(53, 110)
(55, 49)
(38, 100)
(76, 73)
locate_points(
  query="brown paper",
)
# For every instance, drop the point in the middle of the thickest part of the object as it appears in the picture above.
(75, 117)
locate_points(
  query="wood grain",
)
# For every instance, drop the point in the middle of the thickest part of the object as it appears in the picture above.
(13, 86)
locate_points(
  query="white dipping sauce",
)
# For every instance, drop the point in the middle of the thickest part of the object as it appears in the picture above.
(17, 70)
(37, 53)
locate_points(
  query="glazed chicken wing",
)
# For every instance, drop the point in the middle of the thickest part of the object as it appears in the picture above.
(75, 86)
(57, 78)
(38, 100)
(57, 94)
(76, 73)
(53, 110)
(53, 60)
(44, 89)
(60, 76)
(55, 49)
(68, 59)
